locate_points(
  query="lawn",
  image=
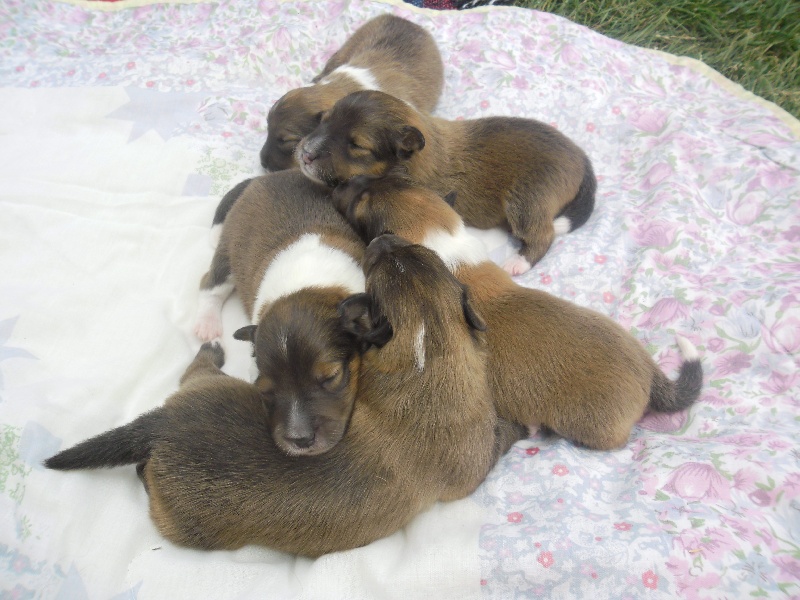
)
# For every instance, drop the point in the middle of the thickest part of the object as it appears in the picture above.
(756, 43)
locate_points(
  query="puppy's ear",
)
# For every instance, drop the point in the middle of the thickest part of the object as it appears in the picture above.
(451, 198)
(409, 140)
(246, 334)
(355, 316)
(473, 318)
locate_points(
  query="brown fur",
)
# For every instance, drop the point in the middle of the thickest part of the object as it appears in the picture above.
(551, 362)
(511, 172)
(416, 436)
(307, 367)
(402, 58)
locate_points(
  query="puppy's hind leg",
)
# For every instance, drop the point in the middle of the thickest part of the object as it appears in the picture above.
(215, 287)
(208, 361)
(529, 223)
(506, 434)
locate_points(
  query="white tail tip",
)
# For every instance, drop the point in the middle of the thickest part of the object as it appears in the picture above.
(687, 348)
(562, 225)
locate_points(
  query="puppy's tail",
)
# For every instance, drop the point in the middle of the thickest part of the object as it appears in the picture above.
(223, 208)
(673, 396)
(578, 211)
(124, 445)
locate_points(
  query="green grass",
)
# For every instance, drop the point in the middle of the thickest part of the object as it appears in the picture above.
(756, 43)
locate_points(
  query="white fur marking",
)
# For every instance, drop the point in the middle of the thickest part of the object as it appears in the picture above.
(562, 225)
(362, 77)
(307, 263)
(457, 248)
(208, 322)
(214, 234)
(688, 349)
(419, 349)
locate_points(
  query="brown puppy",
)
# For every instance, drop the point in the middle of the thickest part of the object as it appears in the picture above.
(423, 429)
(516, 173)
(551, 362)
(387, 53)
(293, 259)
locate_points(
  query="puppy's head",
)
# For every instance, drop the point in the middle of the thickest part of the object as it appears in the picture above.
(292, 117)
(392, 204)
(307, 370)
(412, 294)
(365, 133)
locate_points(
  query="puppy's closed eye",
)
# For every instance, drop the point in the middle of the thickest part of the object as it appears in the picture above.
(330, 376)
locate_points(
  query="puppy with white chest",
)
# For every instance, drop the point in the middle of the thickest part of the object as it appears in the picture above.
(292, 258)
(551, 362)
(509, 172)
(423, 428)
(387, 53)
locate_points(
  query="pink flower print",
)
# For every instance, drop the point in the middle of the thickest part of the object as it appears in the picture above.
(150, 84)
(622, 526)
(19, 68)
(793, 235)
(71, 72)
(484, 104)
(783, 337)
(656, 175)
(546, 280)
(130, 65)
(760, 498)
(715, 344)
(731, 363)
(546, 559)
(789, 566)
(690, 585)
(531, 451)
(616, 110)
(608, 297)
(650, 580)
(697, 481)
(227, 134)
(649, 120)
(502, 59)
(654, 233)
(663, 422)
(560, 470)
(746, 208)
(717, 309)
(664, 311)
(600, 259)
(590, 127)
(102, 76)
(514, 517)
(520, 83)
(570, 55)
(472, 51)
(776, 178)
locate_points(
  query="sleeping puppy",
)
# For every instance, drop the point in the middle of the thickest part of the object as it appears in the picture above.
(551, 362)
(387, 53)
(507, 172)
(293, 259)
(423, 429)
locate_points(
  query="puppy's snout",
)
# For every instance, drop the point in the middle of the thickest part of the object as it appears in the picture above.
(308, 156)
(302, 442)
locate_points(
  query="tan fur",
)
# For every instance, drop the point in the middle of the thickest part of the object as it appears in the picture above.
(217, 481)
(551, 362)
(296, 339)
(402, 58)
(510, 172)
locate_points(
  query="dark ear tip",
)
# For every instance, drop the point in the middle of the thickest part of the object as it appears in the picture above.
(245, 334)
(451, 198)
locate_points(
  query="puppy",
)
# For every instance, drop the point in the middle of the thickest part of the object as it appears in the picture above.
(423, 429)
(515, 173)
(387, 53)
(551, 362)
(293, 259)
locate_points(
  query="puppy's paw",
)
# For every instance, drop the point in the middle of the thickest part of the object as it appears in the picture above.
(208, 326)
(516, 265)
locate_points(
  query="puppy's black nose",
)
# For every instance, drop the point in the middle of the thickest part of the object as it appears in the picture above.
(302, 442)
(386, 242)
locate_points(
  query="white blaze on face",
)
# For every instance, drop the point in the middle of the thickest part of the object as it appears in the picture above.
(419, 349)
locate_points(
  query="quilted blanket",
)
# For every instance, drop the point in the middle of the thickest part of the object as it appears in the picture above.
(122, 124)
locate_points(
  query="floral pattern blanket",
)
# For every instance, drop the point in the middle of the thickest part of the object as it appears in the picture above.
(124, 123)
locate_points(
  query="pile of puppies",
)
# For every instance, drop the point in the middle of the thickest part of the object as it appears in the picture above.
(395, 374)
